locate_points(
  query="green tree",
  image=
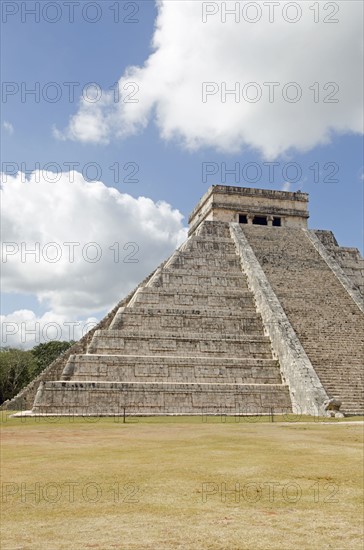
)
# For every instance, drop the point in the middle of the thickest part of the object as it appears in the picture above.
(19, 367)
(44, 354)
(15, 371)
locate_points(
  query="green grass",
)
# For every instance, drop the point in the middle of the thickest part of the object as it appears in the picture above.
(181, 483)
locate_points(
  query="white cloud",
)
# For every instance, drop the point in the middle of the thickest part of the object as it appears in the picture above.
(104, 242)
(8, 127)
(286, 186)
(24, 329)
(188, 52)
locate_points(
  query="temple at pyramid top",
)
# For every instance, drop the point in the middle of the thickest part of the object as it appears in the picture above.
(251, 206)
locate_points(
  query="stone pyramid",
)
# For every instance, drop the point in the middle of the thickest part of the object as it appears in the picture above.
(254, 313)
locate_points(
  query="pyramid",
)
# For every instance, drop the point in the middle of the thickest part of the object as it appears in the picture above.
(253, 314)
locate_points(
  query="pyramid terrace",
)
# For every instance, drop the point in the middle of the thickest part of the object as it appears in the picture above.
(253, 313)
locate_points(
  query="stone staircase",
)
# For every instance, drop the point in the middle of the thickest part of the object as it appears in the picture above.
(327, 321)
(190, 341)
(349, 259)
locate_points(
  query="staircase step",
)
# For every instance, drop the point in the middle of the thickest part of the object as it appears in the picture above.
(110, 398)
(145, 342)
(325, 318)
(171, 369)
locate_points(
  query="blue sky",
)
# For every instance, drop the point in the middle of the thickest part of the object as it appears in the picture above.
(171, 133)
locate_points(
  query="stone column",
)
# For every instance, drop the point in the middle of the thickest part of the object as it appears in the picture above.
(270, 221)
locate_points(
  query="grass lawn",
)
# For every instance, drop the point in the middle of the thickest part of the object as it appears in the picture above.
(181, 483)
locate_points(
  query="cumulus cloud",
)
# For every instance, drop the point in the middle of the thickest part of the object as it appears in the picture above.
(24, 329)
(286, 186)
(188, 52)
(80, 246)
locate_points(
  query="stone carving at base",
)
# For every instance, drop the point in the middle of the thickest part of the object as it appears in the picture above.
(332, 407)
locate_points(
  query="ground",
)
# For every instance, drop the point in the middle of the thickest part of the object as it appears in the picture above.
(181, 483)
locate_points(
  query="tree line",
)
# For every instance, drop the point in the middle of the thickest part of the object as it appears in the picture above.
(18, 367)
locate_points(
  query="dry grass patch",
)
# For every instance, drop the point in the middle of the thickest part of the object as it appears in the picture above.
(181, 484)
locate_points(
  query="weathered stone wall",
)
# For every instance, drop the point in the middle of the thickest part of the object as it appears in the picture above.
(156, 368)
(224, 203)
(110, 398)
(164, 343)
